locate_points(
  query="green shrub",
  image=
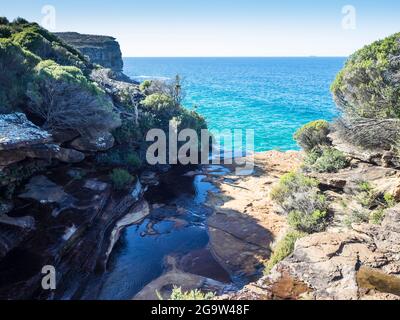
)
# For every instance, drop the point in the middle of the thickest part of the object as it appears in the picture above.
(299, 196)
(191, 119)
(367, 196)
(118, 157)
(365, 87)
(357, 216)
(178, 294)
(121, 179)
(290, 184)
(75, 102)
(128, 133)
(48, 46)
(20, 21)
(389, 200)
(377, 216)
(158, 101)
(144, 86)
(4, 21)
(133, 160)
(283, 249)
(365, 186)
(5, 31)
(325, 160)
(312, 135)
(16, 66)
(309, 223)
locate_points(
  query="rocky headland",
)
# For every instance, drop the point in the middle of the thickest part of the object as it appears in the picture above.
(323, 223)
(102, 50)
(72, 147)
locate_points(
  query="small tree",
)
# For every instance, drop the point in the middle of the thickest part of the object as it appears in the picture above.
(4, 21)
(66, 100)
(313, 134)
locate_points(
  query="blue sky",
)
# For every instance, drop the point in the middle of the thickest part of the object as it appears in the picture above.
(221, 27)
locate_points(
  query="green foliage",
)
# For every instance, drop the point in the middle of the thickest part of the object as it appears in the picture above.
(118, 157)
(20, 21)
(299, 196)
(191, 119)
(365, 186)
(312, 135)
(48, 46)
(325, 159)
(178, 294)
(377, 216)
(389, 200)
(362, 88)
(289, 184)
(133, 160)
(283, 249)
(16, 66)
(356, 217)
(367, 196)
(309, 223)
(128, 133)
(4, 21)
(49, 69)
(5, 31)
(158, 101)
(144, 86)
(121, 179)
(75, 103)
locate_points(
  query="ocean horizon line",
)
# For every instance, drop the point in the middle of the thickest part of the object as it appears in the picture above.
(231, 57)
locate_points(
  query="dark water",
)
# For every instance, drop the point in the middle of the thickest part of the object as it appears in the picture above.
(177, 228)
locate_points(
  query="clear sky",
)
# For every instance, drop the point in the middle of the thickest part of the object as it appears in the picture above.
(222, 27)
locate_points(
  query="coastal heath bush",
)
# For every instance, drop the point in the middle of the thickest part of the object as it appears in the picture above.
(325, 159)
(5, 31)
(367, 86)
(4, 21)
(178, 294)
(308, 222)
(65, 99)
(16, 66)
(121, 179)
(300, 198)
(291, 184)
(283, 249)
(312, 135)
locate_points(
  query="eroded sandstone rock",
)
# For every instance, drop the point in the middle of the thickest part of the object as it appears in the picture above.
(16, 131)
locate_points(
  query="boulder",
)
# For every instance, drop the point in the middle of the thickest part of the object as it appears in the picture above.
(329, 263)
(69, 155)
(16, 131)
(43, 190)
(96, 141)
(95, 185)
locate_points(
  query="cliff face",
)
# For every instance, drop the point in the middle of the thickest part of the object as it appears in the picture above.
(102, 50)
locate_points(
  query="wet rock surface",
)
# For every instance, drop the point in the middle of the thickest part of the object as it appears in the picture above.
(66, 228)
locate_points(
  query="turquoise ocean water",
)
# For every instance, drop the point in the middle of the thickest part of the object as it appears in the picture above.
(273, 96)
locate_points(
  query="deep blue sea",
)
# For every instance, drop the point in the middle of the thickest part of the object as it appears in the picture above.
(273, 96)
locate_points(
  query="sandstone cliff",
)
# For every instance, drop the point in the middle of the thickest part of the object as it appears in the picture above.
(102, 50)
